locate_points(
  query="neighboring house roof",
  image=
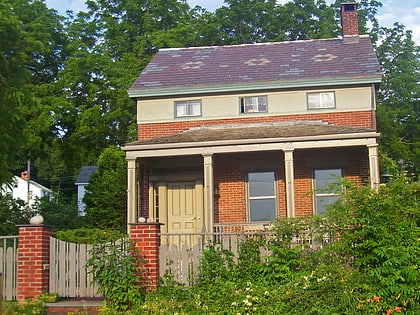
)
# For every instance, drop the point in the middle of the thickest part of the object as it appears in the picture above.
(85, 174)
(282, 131)
(308, 63)
(41, 187)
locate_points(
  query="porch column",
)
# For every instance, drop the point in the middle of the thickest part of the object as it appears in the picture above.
(373, 166)
(290, 182)
(208, 192)
(131, 193)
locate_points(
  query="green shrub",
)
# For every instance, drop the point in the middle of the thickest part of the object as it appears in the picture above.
(369, 265)
(88, 235)
(115, 267)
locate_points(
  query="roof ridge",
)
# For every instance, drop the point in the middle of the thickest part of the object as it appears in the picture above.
(256, 44)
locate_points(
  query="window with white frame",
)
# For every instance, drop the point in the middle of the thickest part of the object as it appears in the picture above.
(321, 100)
(188, 108)
(327, 187)
(253, 104)
(262, 196)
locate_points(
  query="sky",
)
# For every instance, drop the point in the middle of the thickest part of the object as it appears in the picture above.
(406, 12)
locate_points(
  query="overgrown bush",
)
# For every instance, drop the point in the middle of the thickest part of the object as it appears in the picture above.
(366, 262)
(115, 266)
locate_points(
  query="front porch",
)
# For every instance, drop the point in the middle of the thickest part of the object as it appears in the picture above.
(199, 180)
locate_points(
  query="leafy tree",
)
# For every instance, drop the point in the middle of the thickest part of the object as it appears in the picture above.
(58, 214)
(247, 21)
(12, 212)
(13, 92)
(105, 198)
(399, 97)
(308, 19)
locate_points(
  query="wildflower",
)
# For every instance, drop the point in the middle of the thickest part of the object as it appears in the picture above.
(389, 312)
(247, 303)
(376, 298)
(397, 309)
(233, 304)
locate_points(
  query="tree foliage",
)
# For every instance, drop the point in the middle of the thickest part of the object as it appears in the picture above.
(63, 79)
(399, 97)
(106, 197)
(12, 212)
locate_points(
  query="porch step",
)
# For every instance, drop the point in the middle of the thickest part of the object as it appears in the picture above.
(83, 306)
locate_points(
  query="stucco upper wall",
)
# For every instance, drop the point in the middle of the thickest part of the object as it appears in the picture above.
(279, 103)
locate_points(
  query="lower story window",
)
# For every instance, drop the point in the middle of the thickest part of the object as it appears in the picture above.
(327, 188)
(262, 196)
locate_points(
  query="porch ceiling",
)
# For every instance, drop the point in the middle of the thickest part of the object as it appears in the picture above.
(252, 137)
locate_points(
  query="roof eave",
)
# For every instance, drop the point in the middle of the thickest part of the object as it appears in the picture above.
(179, 91)
(145, 147)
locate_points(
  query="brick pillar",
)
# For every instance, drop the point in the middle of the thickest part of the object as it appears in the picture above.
(147, 239)
(33, 273)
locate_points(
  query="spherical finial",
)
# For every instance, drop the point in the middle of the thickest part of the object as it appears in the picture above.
(38, 219)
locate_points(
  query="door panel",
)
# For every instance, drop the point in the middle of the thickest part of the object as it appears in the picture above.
(182, 209)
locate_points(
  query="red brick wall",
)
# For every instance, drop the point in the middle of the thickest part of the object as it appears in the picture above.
(230, 205)
(147, 239)
(361, 119)
(33, 261)
(230, 176)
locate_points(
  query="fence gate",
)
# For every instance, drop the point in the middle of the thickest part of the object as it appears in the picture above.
(8, 266)
(68, 274)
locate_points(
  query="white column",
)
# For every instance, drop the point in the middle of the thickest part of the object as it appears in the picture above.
(374, 166)
(208, 192)
(290, 182)
(131, 191)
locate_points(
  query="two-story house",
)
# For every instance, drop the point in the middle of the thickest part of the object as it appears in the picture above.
(25, 189)
(235, 136)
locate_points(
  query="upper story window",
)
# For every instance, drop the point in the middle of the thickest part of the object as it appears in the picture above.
(321, 100)
(327, 187)
(188, 108)
(253, 104)
(262, 196)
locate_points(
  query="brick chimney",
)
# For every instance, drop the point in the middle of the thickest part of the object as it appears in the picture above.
(350, 22)
(24, 175)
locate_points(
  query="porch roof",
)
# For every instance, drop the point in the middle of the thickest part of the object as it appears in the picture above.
(310, 132)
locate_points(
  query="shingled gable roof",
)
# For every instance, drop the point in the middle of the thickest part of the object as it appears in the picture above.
(309, 63)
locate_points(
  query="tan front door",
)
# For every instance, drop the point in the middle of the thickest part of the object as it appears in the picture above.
(184, 213)
(180, 207)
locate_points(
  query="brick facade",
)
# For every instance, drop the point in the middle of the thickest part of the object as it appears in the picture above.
(362, 119)
(230, 175)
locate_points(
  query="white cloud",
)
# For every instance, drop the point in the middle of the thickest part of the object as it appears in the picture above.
(406, 12)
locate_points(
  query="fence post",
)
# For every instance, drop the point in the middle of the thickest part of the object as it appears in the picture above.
(147, 239)
(33, 260)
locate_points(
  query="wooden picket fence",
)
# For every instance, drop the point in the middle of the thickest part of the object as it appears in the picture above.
(180, 254)
(8, 266)
(69, 276)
